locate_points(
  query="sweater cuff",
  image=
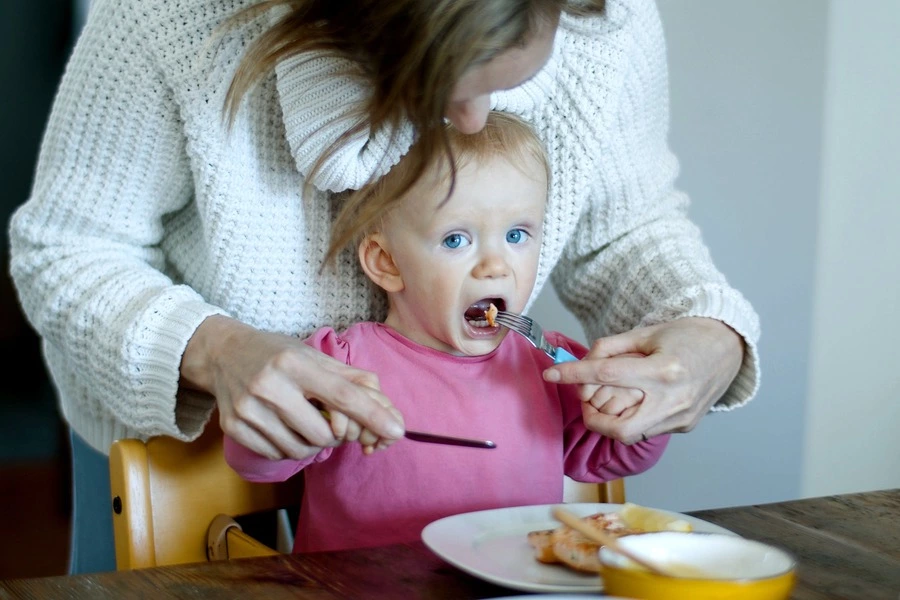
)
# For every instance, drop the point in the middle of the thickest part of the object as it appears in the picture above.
(730, 307)
(166, 326)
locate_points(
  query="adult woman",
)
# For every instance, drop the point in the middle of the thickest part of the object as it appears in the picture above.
(170, 261)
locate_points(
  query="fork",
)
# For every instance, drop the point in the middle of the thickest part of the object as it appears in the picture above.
(534, 333)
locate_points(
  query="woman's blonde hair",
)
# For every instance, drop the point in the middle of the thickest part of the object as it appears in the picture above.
(411, 53)
(504, 135)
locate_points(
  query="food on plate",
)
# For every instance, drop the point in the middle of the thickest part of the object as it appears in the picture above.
(542, 542)
(650, 520)
(490, 314)
(566, 546)
(563, 545)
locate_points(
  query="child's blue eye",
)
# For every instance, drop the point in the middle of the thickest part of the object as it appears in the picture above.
(455, 240)
(516, 236)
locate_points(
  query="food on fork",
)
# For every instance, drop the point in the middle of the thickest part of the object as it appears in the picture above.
(568, 547)
(490, 314)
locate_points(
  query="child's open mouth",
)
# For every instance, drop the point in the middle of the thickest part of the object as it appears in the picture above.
(477, 314)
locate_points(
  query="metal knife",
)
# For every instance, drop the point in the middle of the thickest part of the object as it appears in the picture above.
(433, 438)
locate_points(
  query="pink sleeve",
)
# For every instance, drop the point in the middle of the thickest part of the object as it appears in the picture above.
(589, 456)
(327, 341)
(254, 467)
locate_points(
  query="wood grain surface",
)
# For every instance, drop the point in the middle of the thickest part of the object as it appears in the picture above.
(847, 547)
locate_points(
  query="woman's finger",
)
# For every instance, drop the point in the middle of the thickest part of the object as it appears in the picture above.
(384, 443)
(274, 405)
(626, 371)
(636, 342)
(293, 430)
(351, 392)
(371, 441)
(267, 435)
(251, 439)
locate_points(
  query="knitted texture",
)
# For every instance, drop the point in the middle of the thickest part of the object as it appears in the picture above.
(148, 215)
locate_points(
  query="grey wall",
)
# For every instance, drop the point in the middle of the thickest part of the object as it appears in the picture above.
(852, 412)
(747, 100)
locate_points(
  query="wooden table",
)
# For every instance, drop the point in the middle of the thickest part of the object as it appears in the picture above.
(848, 547)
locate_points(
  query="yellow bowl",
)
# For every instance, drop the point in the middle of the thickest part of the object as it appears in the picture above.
(711, 566)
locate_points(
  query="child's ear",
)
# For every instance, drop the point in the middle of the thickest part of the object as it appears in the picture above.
(378, 263)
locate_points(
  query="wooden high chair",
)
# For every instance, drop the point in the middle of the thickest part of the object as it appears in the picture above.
(175, 502)
(612, 492)
(169, 496)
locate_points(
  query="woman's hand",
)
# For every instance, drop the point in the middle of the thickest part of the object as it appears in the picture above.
(609, 399)
(264, 383)
(687, 365)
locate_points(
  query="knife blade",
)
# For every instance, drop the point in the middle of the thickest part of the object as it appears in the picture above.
(432, 438)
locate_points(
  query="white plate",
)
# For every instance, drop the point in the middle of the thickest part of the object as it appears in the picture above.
(560, 597)
(493, 545)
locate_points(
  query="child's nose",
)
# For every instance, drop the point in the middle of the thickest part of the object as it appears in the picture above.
(491, 266)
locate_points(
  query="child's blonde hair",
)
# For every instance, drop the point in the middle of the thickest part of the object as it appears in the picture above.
(504, 135)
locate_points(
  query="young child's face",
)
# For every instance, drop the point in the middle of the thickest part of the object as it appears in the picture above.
(481, 246)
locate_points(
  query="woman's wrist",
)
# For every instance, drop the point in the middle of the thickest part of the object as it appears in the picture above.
(198, 360)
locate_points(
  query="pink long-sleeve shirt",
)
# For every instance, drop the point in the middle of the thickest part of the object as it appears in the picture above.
(352, 500)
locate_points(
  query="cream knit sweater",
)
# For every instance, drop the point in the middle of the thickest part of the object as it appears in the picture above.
(146, 216)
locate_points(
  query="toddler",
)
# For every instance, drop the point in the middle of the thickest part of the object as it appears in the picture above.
(442, 261)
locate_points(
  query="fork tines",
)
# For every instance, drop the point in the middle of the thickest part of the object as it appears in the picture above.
(534, 333)
(522, 325)
(518, 323)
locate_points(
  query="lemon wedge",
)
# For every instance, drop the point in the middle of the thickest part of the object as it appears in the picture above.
(649, 520)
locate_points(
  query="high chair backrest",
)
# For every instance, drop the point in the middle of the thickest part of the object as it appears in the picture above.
(612, 492)
(166, 493)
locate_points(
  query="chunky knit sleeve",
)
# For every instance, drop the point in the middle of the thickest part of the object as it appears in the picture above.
(634, 258)
(85, 248)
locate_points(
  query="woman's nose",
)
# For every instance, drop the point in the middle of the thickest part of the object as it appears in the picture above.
(469, 116)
